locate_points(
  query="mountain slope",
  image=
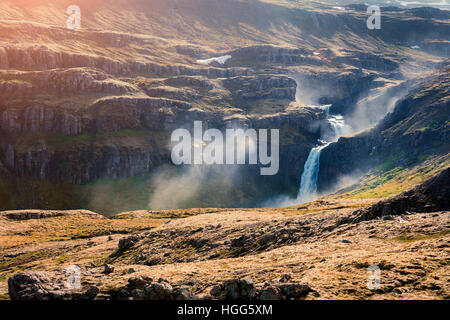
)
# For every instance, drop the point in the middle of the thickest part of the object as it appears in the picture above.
(87, 113)
(417, 129)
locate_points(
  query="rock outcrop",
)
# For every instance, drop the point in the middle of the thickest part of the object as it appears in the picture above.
(430, 196)
(274, 55)
(245, 289)
(51, 286)
(41, 57)
(368, 61)
(341, 89)
(46, 286)
(11, 89)
(145, 288)
(31, 214)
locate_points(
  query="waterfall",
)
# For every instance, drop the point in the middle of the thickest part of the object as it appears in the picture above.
(338, 127)
(308, 184)
(308, 181)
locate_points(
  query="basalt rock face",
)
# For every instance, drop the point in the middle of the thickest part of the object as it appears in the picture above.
(43, 58)
(4, 61)
(89, 159)
(274, 55)
(368, 61)
(35, 118)
(9, 89)
(417, 126)
(97, 150)
(341, 89)
(84, 80)
(85, 165)
(79, 106)
(276, 87)
(344, 157)
(105, 115)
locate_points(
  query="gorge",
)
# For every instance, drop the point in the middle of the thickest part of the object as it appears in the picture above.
(308, 181)
(114, 186)
(85, 126)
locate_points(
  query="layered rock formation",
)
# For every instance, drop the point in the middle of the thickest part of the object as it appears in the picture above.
(416, 127)
(100, 102)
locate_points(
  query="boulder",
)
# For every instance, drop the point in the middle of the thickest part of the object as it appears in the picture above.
(272, 292)
(36, 286)
(139, 282)
(159, 291)
(284, 291)
(108, 268)
(294, 290)
(235, 289)
(125, 244)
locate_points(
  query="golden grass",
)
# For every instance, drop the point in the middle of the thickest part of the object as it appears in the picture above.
(397, 180)
(71, 227)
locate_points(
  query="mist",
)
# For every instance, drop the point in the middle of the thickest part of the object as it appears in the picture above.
(174, 190)
(203, 185)
(344, 182)
(372, 107)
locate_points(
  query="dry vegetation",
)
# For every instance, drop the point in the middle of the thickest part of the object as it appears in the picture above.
(202, 247)
(385, 182)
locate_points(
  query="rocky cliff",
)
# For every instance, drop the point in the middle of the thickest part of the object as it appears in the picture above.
(416, 128)
(84, 106)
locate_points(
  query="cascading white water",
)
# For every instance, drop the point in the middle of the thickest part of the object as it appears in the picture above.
(308, 184)
(338, 127)
(337, 124)
(308, 181)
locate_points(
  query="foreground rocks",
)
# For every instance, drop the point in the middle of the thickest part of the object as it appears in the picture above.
(46, 286)
(52, 286)
(145, 288)
(237, 289)
(320, 250)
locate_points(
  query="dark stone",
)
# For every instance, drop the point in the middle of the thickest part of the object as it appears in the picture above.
(432, 195)
(159, 291)
(237, 289)
(139, 282)
(108, 268)
(91, 293)
(272, 292)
